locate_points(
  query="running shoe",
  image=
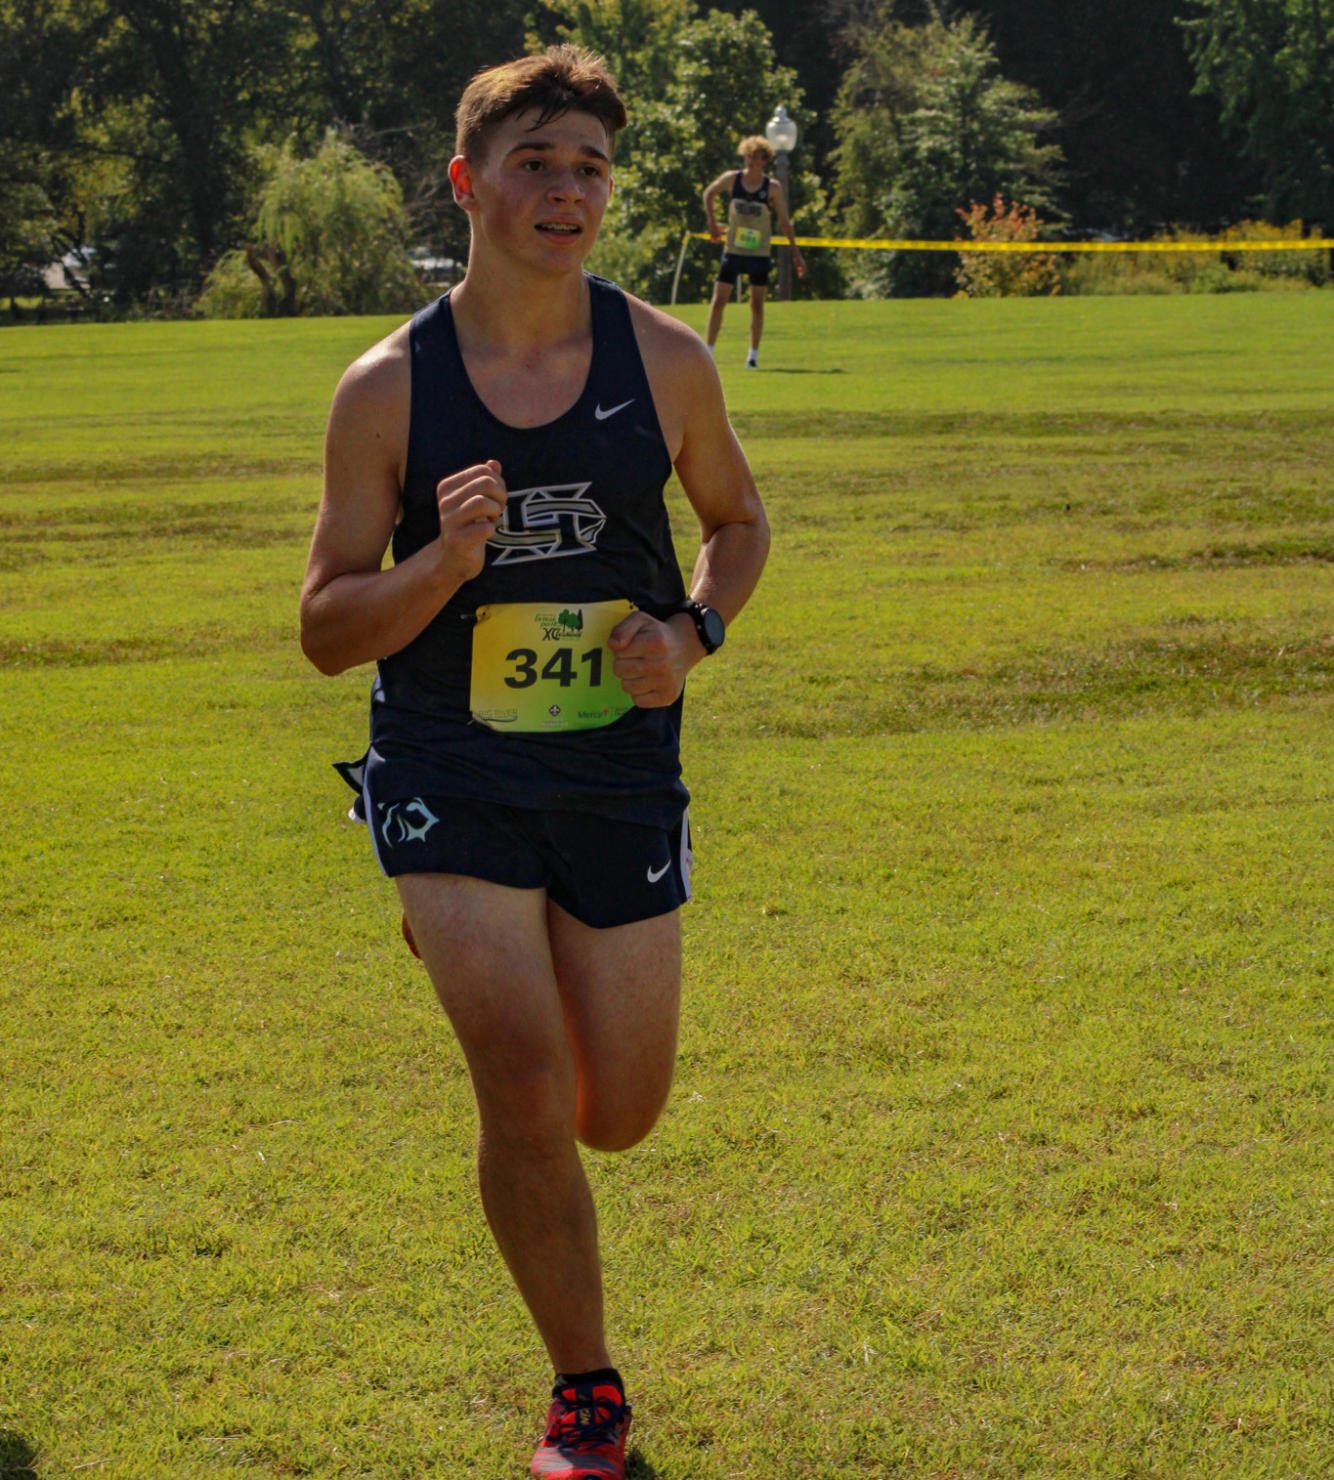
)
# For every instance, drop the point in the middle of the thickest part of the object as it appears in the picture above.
(586, 1428)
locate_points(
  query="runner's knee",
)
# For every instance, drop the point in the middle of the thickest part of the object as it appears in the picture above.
(525, 1101)
(605, 1123)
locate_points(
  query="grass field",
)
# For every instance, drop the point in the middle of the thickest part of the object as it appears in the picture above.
(1001, 1139)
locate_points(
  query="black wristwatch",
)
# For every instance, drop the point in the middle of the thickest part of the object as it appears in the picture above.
(708, 623)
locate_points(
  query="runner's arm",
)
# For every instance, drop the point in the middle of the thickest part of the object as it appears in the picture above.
(734, 530)
(723, 182)
(652, 658)
(352, 611)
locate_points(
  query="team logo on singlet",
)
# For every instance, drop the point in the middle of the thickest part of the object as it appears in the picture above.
(543, 523)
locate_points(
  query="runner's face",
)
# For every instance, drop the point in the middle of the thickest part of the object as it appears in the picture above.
(539, 193)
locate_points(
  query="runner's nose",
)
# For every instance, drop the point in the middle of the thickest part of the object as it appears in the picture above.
(565, 185)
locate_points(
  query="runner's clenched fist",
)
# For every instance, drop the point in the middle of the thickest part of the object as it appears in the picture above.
(471, 504)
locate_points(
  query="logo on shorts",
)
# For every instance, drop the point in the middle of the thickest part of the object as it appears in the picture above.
(405, 822)
(544, 523)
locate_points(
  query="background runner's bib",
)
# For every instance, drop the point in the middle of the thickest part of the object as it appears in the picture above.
(748, 227)
(546, 667)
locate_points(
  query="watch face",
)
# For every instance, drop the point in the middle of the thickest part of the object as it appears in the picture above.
(714, 628)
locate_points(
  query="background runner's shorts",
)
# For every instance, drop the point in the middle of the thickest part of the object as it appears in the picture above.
(734, 266)
(604, 873)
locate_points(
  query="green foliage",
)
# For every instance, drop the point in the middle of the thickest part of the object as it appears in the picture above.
(926, 126)
(1270, 64)
(637, 39)
(329, 238)
(27, 235)
(1139, 148)
(149, 114)
(390, 75)
(1203, 272)
(999, 1144)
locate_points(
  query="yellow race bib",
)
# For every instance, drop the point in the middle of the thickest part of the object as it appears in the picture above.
(546, 667)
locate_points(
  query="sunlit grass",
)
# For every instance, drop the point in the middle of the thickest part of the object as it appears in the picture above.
(999, 1140)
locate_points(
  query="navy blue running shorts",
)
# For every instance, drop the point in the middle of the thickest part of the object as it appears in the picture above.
(734, 266)
(604, 873)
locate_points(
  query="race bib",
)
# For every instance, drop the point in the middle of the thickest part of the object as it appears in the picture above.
(546, 667)
(748, 228)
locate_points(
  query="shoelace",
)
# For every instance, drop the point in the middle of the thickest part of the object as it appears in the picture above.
(584, 1419)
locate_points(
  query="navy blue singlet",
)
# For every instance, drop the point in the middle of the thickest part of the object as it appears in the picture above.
(591, 482)
(760, 195)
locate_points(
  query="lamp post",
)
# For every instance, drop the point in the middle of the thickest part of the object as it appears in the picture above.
(781, 133)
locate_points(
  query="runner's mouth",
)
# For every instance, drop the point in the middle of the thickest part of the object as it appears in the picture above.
(560, 228)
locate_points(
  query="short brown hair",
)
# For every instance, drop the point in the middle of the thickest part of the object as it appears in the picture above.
(552, 82)
(756, 144)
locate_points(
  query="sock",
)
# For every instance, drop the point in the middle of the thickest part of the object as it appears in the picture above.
(710, 349)
(753, 358)
(588, 1379)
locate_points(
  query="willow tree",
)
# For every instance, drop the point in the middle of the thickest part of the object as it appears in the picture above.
(328, 236)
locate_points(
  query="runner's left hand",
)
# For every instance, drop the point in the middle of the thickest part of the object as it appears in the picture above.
(651, 658)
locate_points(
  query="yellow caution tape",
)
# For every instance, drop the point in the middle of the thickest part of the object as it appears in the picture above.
(895, 244)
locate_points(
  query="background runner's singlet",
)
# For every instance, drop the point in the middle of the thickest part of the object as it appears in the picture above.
(585, 522)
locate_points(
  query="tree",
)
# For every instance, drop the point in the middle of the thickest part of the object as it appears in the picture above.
(1270, 64)
(139, 119)
(943, 129)
(389, 76)
(806, 40)
(328, 238)
(1140, 148)
(637, 38)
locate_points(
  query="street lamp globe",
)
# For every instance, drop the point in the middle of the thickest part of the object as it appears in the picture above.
(781, 132)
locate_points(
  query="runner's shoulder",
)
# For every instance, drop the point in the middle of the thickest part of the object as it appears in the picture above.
(670, 349)
(378, 382)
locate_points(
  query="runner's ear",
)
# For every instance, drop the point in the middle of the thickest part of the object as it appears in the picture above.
(460, 177)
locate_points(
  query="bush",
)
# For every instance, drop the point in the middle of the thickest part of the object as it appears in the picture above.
(1203, 272)
(1005, 274)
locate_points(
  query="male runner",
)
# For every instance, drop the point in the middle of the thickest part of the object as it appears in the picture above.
(533, 635)
(753, 199)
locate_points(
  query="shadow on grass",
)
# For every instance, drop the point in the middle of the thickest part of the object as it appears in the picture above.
(18, 1458)
(636, 1467)
(802, 370)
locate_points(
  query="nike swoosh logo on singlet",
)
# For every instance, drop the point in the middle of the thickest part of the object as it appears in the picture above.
(603, 415)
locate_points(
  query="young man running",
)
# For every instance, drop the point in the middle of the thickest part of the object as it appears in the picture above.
(533, 635)
(753, 199)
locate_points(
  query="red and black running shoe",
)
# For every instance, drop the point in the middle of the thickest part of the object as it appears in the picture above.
(586, 1428)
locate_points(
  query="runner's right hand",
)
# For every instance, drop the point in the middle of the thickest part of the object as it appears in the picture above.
(471, 504)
